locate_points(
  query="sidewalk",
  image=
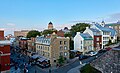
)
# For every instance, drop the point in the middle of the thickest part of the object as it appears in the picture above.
(54, 67)
(76, 69)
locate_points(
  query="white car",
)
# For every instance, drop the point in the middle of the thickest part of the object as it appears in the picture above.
(93, 53)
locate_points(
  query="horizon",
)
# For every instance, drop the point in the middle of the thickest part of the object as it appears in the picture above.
(28, 15)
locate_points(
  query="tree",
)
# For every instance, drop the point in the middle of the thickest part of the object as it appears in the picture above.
(68, 34)
(79, 27)
(33, 33)
(48, 31)
(61, 60)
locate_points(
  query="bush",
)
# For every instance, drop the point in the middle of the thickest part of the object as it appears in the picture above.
(89, 69)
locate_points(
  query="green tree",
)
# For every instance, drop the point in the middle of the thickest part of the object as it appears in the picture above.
(79, 27)
(68, 34)
(61, 60)
(33, 33)
(45, 32)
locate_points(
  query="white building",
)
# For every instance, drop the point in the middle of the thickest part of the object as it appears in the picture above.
(107, 34)
(83, 42)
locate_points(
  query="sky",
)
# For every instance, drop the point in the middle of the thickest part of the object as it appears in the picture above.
(36, 14)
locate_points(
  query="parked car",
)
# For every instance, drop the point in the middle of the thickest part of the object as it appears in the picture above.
(91, 53)
(108, 48)
(81, 57)
(102, 51)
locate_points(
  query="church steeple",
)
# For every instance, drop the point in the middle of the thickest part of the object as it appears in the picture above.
(103, 23)
(50, 25)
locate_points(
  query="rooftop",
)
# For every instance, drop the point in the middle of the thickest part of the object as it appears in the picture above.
(94, 30)
(86, 36)
(4, 42)
(113, 32)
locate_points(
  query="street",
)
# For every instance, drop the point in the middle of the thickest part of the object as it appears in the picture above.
(20, 60)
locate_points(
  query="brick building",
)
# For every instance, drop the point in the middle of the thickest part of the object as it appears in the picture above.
(4, 54)
(31, 44)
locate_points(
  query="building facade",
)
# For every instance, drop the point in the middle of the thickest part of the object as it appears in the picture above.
(53, 47)
(107, 34)
(115, 26)
(83, 42)
(4, 54)
(97, 37)
(31, 45)
(22, 33)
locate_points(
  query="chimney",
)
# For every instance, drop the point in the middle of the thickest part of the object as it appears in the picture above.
(87, 27)
(78, 33)
(1, 34)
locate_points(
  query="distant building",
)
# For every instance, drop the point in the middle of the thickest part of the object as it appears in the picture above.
(65, 30)
(83, 42)
(50, 25)
(97, 37)
(115, 26)
(107, 34)
(52, 47)
(23, 44)
(31, 45)
(60, 33)
(4, 54)
(22, 33)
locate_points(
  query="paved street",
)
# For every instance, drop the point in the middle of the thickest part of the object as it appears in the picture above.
(63, 69)
(36, 69)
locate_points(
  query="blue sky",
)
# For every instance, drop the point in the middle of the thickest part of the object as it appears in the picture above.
(36, 14)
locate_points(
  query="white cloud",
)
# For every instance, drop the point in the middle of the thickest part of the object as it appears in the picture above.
(10, 24)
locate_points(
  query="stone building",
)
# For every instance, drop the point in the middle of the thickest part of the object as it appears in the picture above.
(22, 33)
(50, 25)
(52, 47)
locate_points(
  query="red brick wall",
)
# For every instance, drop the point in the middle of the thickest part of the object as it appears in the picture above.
(5, 59)
(60, 33)
(95, 40)
(5, 48)
(1, 35)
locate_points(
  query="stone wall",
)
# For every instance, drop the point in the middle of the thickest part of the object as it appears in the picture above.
(109, 62)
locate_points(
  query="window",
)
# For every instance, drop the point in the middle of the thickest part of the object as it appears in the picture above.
(65, 53)
(48, 48)
(97, 38)
(61, 47)
(54, 60)
(65, 48)
(81, 42)
(32, 44)
(81, 47)
(61, 53)
(65, 42)
(60, 42)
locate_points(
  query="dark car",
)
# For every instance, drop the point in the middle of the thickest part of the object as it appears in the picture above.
(81, 57)
(102, 51)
